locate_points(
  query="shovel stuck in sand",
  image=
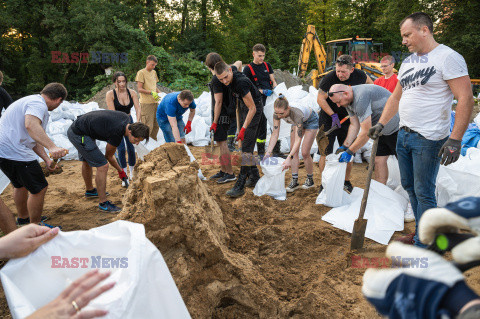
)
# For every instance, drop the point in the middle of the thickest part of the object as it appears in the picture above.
(322, 139)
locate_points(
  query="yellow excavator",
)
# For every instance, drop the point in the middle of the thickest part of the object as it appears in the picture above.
(364, 51)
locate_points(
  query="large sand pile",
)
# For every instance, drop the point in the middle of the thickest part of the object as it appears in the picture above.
(240, 258)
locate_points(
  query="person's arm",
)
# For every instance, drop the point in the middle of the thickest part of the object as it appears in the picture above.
(238, 65)
(110, 156)
(191, 115)
(322, 102)
(362, 137)
(34, 128)
(109, 100)
(138, 110)
(391, 107)
(175, 131)
(462, 91)
(25, 240)
(141, 89)
(272, 78)
(273, 136)
(218, 107)
(40, 151)
(353, 130)
(252, 109)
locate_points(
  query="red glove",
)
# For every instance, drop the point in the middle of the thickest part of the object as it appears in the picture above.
(188, 127)
(179, 142)
(241, 134)
(122, 174)
(213, 127)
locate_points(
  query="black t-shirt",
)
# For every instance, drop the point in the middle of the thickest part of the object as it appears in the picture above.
(227, 101)
(5, 99)
(105, 125)
(357, 77)
(241, 85)
(262, 74)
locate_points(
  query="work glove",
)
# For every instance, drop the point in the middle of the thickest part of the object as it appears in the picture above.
(179, 142)
(450, 151)
(342, 148)
(155, 96)
(335, 120)
(375, 131)
(346, 156)
(463, 214)
(213, 128)
(241, 134)
(267, 92)
(188, 127)
(122, 174)
(421, 285)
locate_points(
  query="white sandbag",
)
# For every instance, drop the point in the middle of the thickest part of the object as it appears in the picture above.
(384, 213)
(394, 179)
(272, 182)
(199, 136)
(296, 93)
(62, 141)
(459, 179)
(192, 159)
(58, 127)
(4, 181)
(144, 286)
(333, 177)
(268, 111)
(141, 150)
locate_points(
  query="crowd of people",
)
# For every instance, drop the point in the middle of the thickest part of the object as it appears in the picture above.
(408, 112)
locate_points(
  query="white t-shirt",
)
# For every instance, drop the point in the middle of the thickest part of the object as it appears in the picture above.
(15, 142)
(426, 100)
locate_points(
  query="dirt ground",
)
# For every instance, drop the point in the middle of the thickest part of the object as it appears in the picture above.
(251, 257)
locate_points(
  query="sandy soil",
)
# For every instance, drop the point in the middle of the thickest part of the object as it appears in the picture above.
(251, 257)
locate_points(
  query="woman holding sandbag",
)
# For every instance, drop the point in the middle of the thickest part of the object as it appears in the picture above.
(304, 122)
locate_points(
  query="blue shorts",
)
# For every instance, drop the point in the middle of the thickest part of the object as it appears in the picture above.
(312, 122)
(167, 129)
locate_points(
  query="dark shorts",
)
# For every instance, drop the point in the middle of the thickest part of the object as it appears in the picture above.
(387, 145)
(248, 143)
(87, 148)
(24, 174)
(221, 133)
(340, 134)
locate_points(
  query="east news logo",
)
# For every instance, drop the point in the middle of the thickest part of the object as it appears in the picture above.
(92, 262)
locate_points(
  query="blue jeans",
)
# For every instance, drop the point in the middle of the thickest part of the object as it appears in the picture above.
(167, 129)
(130, 151)
(419, 163)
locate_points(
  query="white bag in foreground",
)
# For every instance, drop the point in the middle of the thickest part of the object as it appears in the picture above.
(333, 177)
(273, 180)
(144, 287)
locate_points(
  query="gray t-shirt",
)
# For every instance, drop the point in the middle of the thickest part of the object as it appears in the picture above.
(298, 115)
(369, 100)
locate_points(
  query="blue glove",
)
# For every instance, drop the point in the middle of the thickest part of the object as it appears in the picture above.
(336, 120)
(267, 92)
(346, 156)
(342, 148)
(421, 285)
(462, 214)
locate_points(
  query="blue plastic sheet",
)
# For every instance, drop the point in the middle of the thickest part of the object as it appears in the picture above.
(471, 136)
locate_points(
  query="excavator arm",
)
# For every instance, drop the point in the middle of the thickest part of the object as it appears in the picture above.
(311, 40)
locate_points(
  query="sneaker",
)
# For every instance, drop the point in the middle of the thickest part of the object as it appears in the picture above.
(408, 239)
(308, 183)
(93, 193)
(409, 216)
(292, 186)
(109, 207)
(226, 178)
(348, 187)
(48, 225)
(26, 221)
(218, 175)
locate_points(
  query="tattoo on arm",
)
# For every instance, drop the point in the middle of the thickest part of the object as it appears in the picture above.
(275, 127)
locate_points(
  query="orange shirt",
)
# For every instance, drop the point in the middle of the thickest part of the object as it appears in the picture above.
(389, 83)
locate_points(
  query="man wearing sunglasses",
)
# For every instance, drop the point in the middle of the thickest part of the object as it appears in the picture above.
(330, 114)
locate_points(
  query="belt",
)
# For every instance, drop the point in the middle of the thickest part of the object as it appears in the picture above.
(407, 129)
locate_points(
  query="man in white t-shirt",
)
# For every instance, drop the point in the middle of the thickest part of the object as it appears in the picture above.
(429, 79)
(22, 138)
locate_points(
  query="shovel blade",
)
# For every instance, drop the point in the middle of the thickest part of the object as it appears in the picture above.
(322, 140)
(358, 234)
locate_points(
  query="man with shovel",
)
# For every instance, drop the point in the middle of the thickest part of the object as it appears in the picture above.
(330, 114)
(22, 139)
(429, 79)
